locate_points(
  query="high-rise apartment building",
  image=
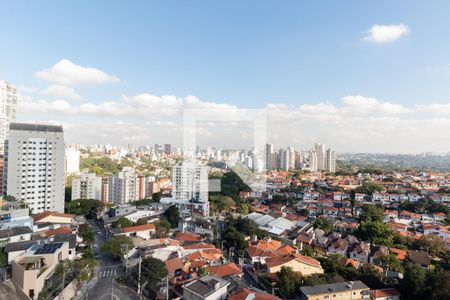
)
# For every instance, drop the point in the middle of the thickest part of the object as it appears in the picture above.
(284, 159)
(87, 186)
(34, 166)
(320, 152)
(123, 188)
(331, 161)
(190, 188)
(167, 149)
(312, 161)
(8, 110)
(268, 153)
(72, 161)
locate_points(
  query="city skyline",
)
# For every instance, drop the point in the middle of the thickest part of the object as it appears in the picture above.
(350, 97)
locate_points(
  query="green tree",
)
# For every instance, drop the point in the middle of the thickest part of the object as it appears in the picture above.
(141, 221)
(324, 224)
(117, 245)
(390, 262)
(156, 197)
(369, 187)
(234, 238)
(377, 233)
(371, 213)
(289, 282)
(84, 207)
(315, 279)
(172, 215)
(162, 228)
(153, 271)
(123, 222)
(414, 283)
(433, 245)
(86, 232)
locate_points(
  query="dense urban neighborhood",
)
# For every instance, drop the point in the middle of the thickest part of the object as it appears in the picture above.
(143, 222)
(224, 150)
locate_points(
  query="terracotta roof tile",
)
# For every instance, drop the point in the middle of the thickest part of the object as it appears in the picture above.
(139, 228)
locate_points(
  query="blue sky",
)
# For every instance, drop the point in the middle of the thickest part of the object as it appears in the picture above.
(243, 53)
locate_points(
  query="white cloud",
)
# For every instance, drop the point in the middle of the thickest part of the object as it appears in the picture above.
(67, 73)
(385, 33)
(435, 108)
(61, 91)
(364, 105)
(357, 123)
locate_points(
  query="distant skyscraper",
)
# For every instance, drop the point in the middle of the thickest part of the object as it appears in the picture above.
(320, 152)
(312, 160)
(34, 165)
(8, 110)
(167, 149)
(268, 153)
(331, 161)
(284, 159)
(291, 158)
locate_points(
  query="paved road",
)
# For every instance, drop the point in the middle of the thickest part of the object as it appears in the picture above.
(104, 286)
(107, 286)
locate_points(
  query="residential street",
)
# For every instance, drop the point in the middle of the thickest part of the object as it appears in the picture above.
(108, 269)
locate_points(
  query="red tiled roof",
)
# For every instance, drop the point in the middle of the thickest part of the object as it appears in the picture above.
(245, 293)
(139, 228)
(187, 237)
(57, 231)
(225, 270)
(199, 246)
(383, 293)
(174, 264)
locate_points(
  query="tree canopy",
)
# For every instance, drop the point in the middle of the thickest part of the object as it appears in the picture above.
(118, 245)
(172, 214)
(153, 271)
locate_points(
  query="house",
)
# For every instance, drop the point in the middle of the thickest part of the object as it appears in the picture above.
(15, 234)
(17, 248)
(188, 237)
(382, 198)
(390, 214)
(225, 270)
(361, 252)
(54, 218)
(206, 288)
(339, 246)
(342, 291)
(299, 263)
(420, 257)
(143, 231)
(174, 266)
(249, 294)
(205, 257)
(385, 294)
(31, 269)
(377, 252)
(359, 197)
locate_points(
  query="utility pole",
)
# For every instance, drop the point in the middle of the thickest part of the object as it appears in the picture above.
(139, 276)
(112, 287)
(62, 287)
(167, 287)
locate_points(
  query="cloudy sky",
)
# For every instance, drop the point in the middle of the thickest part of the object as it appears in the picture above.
(358, 77)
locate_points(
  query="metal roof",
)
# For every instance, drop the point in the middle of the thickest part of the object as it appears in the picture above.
(334, 287)
(35, 127)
